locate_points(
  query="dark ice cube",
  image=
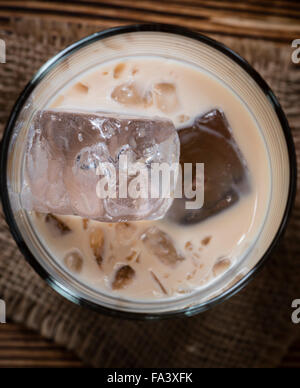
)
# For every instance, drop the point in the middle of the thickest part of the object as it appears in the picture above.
(209, 140)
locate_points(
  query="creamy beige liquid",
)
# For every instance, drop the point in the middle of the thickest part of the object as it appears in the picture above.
(211, 247)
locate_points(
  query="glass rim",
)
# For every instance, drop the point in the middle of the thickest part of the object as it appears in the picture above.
(45, 69)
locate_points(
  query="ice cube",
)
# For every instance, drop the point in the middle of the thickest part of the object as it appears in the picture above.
(80, 174)
(119, 69)
(85, 223)
(165, 96)
(45, 178)
(129, 94)
(57, 226)
(183, 118)
(68, 154)
(162, 246)
(74, 262)
(96, 243)
(206, 241)
(81, 88)
(209, 140)
(221, 266)
(123, 277)
(133, 256)
(125, 232)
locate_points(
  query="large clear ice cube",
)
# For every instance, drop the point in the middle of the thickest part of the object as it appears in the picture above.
(69, 152)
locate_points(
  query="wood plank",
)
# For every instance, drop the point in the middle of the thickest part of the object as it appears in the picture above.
(20, 347)
(62, 18)
(206, 8)
(26, 349)
(292, 358)
(262, 25)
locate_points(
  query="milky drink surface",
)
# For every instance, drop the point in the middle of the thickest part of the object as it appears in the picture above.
(153, 260)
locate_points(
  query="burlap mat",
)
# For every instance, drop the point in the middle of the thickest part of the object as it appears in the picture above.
(253, 329)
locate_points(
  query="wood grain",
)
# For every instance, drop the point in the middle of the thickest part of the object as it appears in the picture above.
(292, 358)
(20, 347)
(274, 20)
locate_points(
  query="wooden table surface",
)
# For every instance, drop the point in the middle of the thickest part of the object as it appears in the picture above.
(278, 21)
(268, 19)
